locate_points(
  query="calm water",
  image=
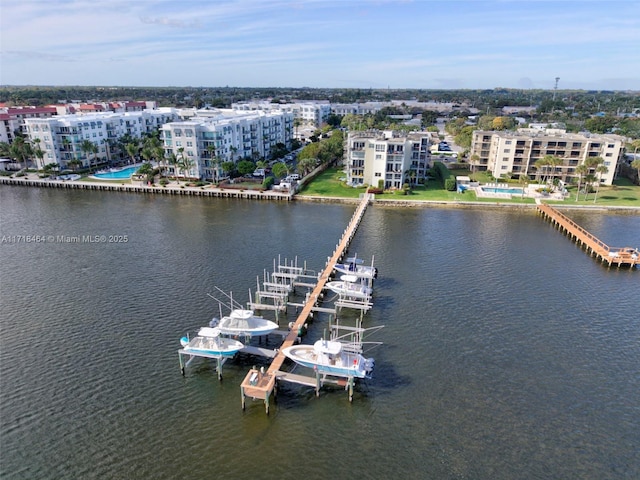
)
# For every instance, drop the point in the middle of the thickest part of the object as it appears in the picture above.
(508, 352)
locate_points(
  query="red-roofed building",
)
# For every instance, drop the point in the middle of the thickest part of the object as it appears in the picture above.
(5, 127)
(15, 116)
(134, 106)
(91, 108)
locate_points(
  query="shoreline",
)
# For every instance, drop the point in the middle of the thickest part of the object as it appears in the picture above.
(177, 189)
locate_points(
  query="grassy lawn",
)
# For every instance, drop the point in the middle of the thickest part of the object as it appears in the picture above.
(328, 184)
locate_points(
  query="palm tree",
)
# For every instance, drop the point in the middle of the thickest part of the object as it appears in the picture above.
(173, 161)
(636, 164)
(20, 151)
(600, 170)
(473, 161)
(588, 181)
(262, 164)
(147, 153)
(132, 151)
(523, 179)
(306, 165)
(186, 164)
(38, 153)
(581, 170)
(90, 148)
(636, 146)
(554, 163)
(541, 167)
(591, 163)
(211, 148)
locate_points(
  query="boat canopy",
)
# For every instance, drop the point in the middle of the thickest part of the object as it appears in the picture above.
(349, 278)
(328, 347)
(209, 332)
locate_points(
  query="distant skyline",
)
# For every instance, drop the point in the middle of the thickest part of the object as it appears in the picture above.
(429, 44)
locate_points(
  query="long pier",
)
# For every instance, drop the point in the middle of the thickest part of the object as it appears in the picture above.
(620, 257)
(259, 384)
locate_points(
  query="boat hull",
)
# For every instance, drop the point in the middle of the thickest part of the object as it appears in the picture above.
(349, 289)
(341, 365)
(213, 346)
(359, 271)
(244, 323)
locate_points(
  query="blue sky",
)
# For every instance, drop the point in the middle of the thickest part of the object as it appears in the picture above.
(589, 44)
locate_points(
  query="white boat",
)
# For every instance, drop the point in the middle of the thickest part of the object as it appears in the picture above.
(354, 266)
(328, 357)
(350, 286)
(210, 342)
(244, 323)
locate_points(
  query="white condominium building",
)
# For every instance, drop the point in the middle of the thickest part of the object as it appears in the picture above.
(387, 159)
(515, 153)
(213, 137)
(60, 138)
(310, 113)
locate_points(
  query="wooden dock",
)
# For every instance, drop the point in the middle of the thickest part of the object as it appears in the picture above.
(260, 385)
(620, 257)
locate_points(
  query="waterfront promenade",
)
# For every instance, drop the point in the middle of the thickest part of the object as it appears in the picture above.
(173, 188)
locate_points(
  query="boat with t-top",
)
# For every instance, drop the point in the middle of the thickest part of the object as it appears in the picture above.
(245, 323)
(350, 286)
(355, 266)
(329, 357)
(210, 342)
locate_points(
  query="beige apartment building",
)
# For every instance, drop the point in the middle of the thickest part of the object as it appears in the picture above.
(515, 153)
(390, 159)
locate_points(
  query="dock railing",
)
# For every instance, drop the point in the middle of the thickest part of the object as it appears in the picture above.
(612, 255)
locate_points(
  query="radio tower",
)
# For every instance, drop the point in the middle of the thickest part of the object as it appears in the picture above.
(555, 89)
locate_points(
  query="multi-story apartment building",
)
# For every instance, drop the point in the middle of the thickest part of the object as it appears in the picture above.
(310, 113)
(387, 159)
(213, 137)
(60, 137)
(375, 107)
(12, 119)
(515, 153)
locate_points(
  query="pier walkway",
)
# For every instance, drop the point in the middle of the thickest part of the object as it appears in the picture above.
(621, 257)
(258, 385)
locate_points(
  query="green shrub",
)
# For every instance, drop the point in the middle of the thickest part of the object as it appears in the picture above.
(450, 184)
(267, 183)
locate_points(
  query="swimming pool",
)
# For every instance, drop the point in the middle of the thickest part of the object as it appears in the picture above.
(512, 191)
(123, 174)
